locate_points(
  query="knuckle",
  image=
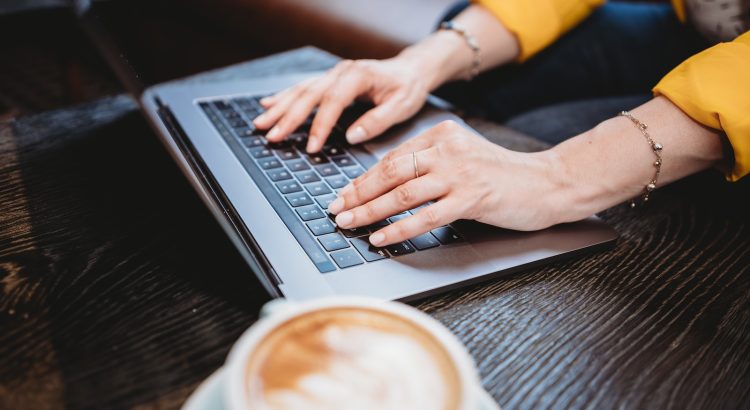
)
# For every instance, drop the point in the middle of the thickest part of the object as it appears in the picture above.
(430, 217)
(368, 211)
(389, 156)
(390, 170)
(398, 230)
(447, 125)
(403, 195)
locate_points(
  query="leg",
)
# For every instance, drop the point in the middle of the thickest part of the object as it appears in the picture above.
(621, 49)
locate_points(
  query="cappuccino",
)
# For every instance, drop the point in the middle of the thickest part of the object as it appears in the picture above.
(354, 358)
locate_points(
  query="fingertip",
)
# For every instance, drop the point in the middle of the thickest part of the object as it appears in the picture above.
(274, 135)
(356, 135)
(267, 101)
(314, 144)
(377, 238)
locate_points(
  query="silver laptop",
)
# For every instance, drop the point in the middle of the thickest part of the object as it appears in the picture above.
(271, 199)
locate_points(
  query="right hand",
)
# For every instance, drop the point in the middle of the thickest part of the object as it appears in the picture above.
(394, 86)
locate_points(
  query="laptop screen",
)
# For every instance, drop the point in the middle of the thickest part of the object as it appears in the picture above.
(96, 18)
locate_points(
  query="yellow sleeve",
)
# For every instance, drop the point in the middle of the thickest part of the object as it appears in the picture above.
(537, 23)
(713, 88)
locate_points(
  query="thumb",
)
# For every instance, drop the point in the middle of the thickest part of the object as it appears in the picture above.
(377, 120)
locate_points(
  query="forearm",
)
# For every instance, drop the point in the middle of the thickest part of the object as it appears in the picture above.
(613, 162)
(444, 56)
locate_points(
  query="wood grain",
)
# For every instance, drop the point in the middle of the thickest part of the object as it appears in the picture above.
(117, 289)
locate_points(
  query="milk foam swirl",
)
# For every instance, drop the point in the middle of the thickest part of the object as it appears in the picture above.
(368, 370)
(351, 358)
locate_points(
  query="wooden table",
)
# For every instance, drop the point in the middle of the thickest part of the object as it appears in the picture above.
(118, 290)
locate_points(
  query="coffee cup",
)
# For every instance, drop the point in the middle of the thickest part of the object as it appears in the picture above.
(350, 352)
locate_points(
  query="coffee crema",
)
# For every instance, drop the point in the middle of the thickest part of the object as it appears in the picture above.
(351, 357)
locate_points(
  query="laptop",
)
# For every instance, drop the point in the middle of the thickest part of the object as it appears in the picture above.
(271, 199)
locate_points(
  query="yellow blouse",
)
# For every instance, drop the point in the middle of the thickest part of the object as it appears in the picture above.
(712, 87)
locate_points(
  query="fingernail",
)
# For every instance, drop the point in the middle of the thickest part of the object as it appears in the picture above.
(356, 135)
(311, 144)
(377, 238)
(336, 206)
(273, 134)
(259, 119)
(265, 100)
(344, 219)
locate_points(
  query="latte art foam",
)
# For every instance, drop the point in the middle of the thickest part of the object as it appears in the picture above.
(351, 358)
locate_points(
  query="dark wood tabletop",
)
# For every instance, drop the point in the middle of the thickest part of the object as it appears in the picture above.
(119, 290)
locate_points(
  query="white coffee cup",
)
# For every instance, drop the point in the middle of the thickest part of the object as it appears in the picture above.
(236, 386)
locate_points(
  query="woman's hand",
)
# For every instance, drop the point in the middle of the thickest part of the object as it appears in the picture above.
(468, 177)
(394, 86)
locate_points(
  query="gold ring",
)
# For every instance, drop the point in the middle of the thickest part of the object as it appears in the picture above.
(416, 165)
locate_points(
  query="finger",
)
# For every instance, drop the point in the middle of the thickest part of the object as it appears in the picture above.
(441, 132)
(281, 103)
(393, 172)
(375, 121)
(428, 218)
(295, 114)
(268, 101)
(404, 197)
(349, 85)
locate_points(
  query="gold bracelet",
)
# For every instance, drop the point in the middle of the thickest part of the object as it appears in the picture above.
(471, 41)
(656, 147)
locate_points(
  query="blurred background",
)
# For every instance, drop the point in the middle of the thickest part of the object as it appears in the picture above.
(47, 62)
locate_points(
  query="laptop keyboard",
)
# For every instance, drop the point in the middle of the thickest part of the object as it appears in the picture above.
(300, 186)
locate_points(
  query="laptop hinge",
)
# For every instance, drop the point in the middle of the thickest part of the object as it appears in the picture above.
(218, 197)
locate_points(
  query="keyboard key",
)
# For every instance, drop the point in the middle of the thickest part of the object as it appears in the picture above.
(346, 258)
(287, 154)
(245, 132)
(318, 188)
(299, 140)
(279, 174)
(424, 241)
(333, 242)
(325, 200)
(299, 199)
(237, 123)
(288, 187)
(317, 159)
(368, 251)
(398, 249)
(297, 165)
(261, 152)
(378, 225)
(344, 161)
(307, 177)
(353, 172)
(269, 163)
(321, 226)
(354, 232)
(332, 150)
(252, 142)
(230, 114)
(446, 235)
(310, 212)
(222, 105)
(327, 170)
(337, 181)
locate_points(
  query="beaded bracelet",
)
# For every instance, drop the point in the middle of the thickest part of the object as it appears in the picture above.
(656, 147)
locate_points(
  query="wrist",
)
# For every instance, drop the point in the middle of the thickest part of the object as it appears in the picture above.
(573, 197)
(442, 57)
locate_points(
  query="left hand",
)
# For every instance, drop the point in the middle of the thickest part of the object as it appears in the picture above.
(467, 176)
